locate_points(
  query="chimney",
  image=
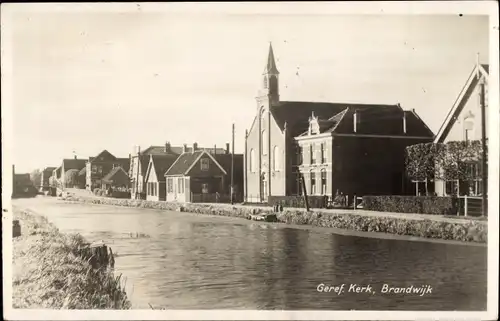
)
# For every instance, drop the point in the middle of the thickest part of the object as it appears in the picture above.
(215, 149)
(355, 121)
(195, 147)
(167, 147)
(227, 148)
(404, 122)
(75, 156)
(184, 148)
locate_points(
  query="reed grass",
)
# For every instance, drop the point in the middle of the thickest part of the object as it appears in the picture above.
(48, 272)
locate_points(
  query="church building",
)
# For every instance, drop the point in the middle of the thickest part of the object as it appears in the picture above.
(354, 149)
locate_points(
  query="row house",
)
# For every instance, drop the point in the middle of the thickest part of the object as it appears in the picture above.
(140, 159)
(96, 168)
(335, 147)
(66, 175)
(45, 175)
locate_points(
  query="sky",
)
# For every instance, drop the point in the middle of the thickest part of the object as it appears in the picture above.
(87, 81)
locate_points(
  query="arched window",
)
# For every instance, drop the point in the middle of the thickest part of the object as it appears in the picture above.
(264, 142)
(276, 158)
(313, 183)
(323, 182)
(252, 161)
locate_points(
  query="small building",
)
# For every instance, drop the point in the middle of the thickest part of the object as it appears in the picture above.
(155, 176)
(117, 180)
(59, 179)
(98, 167)
(196, 176)
(464, 123)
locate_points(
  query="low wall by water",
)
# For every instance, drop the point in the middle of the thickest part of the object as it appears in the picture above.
(469, 231)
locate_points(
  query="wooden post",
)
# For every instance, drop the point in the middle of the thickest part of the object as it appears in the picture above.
(465, 205)
(354, 201)
(306, 201)
(232, 167)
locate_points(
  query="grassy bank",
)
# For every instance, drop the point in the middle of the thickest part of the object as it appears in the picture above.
(48, 272)
(471, 231)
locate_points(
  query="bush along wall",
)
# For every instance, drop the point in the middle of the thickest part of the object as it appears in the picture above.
(412, 204)
(471, 231)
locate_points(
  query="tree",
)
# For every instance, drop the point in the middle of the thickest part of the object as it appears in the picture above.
(36, 178)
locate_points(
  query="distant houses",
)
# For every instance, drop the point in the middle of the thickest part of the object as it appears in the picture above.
(155, 176)
(96, 168)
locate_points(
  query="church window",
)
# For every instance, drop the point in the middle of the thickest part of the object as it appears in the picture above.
(264, 142)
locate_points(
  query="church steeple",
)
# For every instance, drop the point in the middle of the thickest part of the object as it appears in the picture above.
(271, 64)
(270, 84)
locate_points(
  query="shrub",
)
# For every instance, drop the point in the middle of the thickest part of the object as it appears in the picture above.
(97, 191)
(412, 204)
(298, 201)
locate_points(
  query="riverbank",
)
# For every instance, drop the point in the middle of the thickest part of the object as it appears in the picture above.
(48, 273)
(420, 226)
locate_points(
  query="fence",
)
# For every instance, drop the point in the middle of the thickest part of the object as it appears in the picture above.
(470, 206)
(215, 198)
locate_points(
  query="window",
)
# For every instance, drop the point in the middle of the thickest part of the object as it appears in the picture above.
(94, 169)
(313, 183)
(252, 161)
(264, 142)
(204, 188)
(300, 155)
(323, 153)
(204, 164)
(180, 183)
(313, 154)
(451, 187)
(276, 158)
(170, 187)
(323, 182)
(99, 169)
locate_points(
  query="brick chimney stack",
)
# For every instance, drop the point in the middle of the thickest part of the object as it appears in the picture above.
(195, 147)
(355, 121)
(167, 147)
(184, 148)
(215, 149)
(404, 122)
(227, 148)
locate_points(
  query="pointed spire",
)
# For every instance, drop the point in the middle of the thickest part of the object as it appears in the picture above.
(271, 64)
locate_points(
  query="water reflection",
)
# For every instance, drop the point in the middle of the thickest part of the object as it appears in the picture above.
(199, 262)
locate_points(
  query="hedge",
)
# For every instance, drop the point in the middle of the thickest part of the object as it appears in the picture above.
(435, 205)
(298, 201)
(471, 231)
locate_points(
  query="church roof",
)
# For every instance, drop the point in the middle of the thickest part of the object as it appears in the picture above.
(375, 119)
(271, 63)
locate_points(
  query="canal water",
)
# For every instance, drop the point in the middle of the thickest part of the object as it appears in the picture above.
(185, 261)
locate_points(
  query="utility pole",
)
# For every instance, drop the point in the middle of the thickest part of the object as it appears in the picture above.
(232, 167)
(138, 168)
(484, 151)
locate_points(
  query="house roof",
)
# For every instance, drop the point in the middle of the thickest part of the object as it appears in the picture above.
(49, 169)
(186, 161)
(161, 164)
(177, 150)
(83, 171)
(339, 117)
(22, 178)
(103, 154)
(224, 161)
(74, 164)
(183, 163)
(124, 163)
(461, 101)
(117, 176)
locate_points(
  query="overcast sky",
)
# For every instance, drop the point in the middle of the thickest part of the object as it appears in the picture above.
(86, 82)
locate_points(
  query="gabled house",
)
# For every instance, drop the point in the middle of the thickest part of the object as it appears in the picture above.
(98, 167)
(350, 148)
(139, 162)
(117, 180)
(155, 176)
(61, 175)
(45, 175)
(464, 123)
(196, 176)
